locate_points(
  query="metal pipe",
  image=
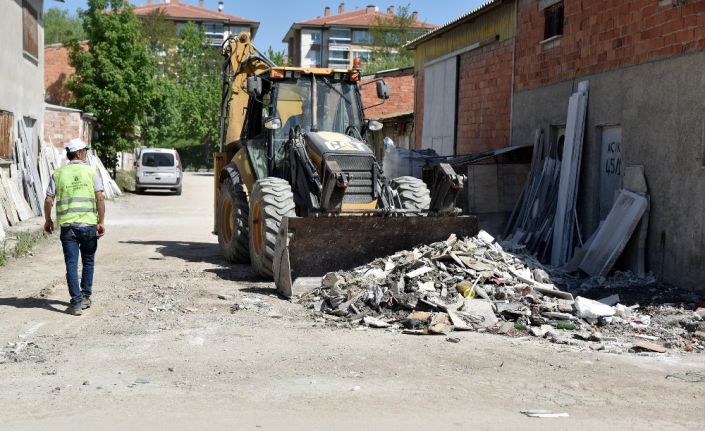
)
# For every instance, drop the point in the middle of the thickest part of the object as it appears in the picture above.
(314, 104)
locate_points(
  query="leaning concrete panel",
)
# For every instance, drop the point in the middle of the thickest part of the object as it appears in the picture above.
(614, 234)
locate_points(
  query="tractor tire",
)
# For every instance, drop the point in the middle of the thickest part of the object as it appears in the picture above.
(270, 200)
(232, 222)
(412, 194)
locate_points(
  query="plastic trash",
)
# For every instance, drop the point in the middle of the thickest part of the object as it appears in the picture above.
(466, 289)
(589, 309)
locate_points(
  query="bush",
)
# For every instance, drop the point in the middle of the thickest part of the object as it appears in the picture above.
(25, 243)
(125, 180)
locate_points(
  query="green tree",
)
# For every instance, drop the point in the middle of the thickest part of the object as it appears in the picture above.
(197, 77)
(158, 31)
(60, 27)
(278, 57)
(114, 77)
(389, 35)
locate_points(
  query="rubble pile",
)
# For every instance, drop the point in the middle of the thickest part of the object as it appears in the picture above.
(472, 284)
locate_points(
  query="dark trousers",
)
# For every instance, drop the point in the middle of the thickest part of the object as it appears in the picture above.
(81, 240)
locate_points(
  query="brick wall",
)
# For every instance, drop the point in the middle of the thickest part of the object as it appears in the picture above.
(401, 98)
(484, 98)
(61, 126)
(418, 109)
(600, 35)
(56, 71)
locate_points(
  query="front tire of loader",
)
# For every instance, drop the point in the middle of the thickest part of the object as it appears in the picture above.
(232, 222)
(270, 201)
(412, 194)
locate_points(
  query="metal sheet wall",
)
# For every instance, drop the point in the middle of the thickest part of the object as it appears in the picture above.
(500, 20)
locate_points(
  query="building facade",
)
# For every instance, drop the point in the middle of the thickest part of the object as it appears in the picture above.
(644, 61)
(334, 40)
(217, 25)
(21, 74)
(518, 62)
(463, 98)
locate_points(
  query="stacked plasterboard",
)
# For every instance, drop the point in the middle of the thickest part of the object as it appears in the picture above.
(564, 225)
(111, 188)
(27, 177)
(544, 221)
(531, 224)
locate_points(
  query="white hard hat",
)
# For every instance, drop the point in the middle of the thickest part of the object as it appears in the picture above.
(75, 144)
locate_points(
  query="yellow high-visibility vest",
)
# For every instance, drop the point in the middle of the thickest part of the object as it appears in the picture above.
(75, 194)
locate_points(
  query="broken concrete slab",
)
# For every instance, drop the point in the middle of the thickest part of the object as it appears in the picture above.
(481, 308)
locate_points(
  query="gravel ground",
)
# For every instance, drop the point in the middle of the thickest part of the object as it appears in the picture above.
(165, 346)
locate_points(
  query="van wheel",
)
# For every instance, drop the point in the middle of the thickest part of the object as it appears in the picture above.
(177, 191)
(232, 222)
(139, 190)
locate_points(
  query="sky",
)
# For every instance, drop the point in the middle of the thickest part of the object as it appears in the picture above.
(276, 16)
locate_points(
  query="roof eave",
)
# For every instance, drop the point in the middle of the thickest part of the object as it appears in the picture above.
(490, 5)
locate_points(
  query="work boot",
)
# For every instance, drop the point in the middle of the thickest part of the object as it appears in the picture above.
(86, 303)
(75, 310)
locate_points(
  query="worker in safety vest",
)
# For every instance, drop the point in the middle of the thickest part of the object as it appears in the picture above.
(80, 212)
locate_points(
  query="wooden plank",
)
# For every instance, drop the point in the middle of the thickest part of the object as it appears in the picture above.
(7, 201)
(614, 233)
(564, 223)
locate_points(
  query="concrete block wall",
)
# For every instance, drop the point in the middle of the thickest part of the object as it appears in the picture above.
(601, 35)
(484, 98)
(660, 109)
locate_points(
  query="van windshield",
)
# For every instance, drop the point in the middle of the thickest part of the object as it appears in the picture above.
(155, 160)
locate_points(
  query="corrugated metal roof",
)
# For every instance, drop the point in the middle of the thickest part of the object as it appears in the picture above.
(450, 24)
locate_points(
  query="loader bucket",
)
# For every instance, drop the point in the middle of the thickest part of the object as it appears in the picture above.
(309, 247)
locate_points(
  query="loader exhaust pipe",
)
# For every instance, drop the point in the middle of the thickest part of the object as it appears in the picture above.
(314, 104)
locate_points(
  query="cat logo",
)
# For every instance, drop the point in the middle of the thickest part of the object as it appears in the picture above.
(345, 146)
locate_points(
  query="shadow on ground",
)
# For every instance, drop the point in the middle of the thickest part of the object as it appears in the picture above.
(189, 251)
(202, 252)
(47, 304)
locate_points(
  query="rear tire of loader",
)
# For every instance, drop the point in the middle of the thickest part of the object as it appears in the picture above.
(232, 222)
(413, 194)
(271, 200)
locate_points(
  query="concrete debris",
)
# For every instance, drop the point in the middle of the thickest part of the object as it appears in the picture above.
(473, 284)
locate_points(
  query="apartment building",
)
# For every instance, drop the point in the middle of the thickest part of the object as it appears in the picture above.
(334, 40)
(217, 25)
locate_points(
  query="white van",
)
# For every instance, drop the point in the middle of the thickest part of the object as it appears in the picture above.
(158, 168)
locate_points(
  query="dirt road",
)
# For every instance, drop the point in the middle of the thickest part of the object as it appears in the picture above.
(160, 349)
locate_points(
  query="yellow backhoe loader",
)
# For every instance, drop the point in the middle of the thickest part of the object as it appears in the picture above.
(298, 192)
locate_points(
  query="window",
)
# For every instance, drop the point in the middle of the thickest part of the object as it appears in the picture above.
(156, 160)
(314, 36)
(339, 57)
(364, 56)
(30, 38)
(554, 21)
(6, 135)
(213, 27)
(339, 35)
(361, 37)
